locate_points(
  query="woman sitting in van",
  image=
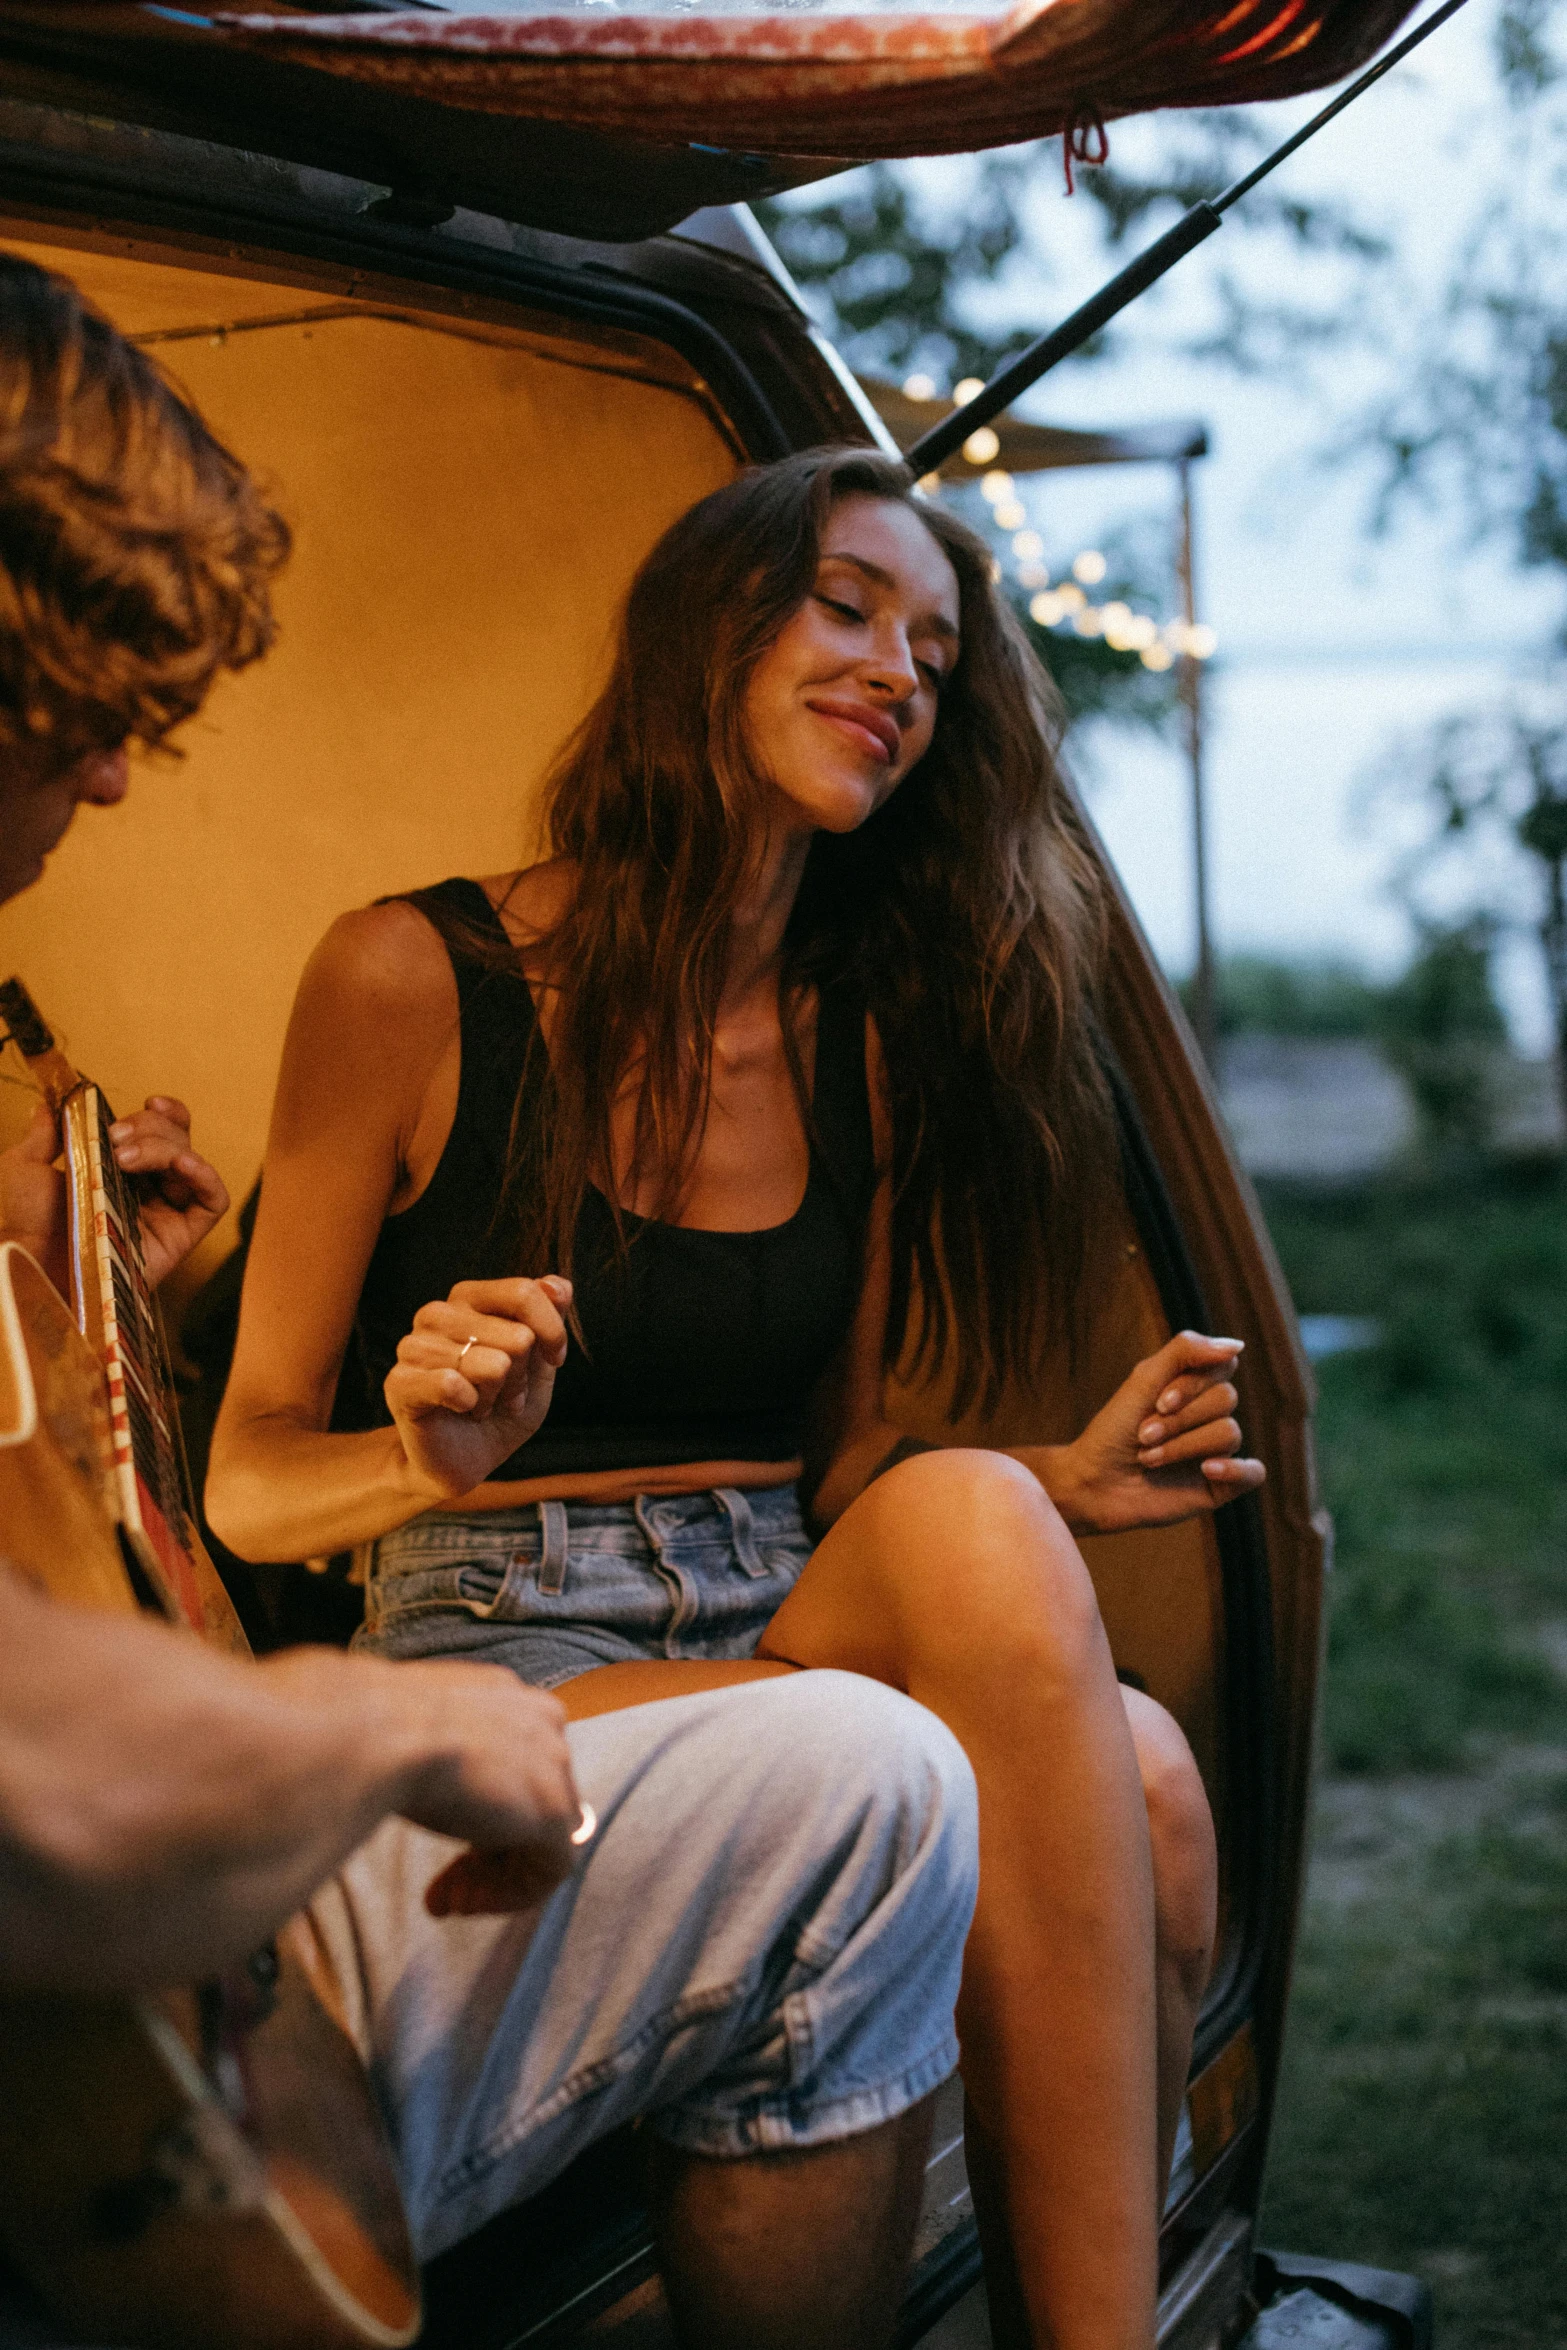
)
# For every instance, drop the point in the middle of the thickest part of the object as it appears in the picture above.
(785, 1062)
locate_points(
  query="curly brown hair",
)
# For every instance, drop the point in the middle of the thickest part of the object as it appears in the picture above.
(136, 554)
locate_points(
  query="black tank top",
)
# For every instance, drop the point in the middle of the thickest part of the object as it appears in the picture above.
(701, 1346)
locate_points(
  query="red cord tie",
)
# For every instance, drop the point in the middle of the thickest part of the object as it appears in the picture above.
(1085, 140)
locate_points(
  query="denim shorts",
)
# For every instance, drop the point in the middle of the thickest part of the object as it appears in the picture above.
(556, 1587)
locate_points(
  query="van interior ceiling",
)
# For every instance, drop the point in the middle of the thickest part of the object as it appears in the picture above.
(465, 526)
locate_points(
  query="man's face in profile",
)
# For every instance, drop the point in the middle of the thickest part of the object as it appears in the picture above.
(38, 801)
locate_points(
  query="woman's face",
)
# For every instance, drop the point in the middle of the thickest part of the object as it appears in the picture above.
(843, 702)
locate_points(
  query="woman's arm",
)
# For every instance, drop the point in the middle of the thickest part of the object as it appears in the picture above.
(364, 1103)
(1165, 1447)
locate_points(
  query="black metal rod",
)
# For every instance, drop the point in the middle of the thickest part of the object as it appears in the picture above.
(933, 448)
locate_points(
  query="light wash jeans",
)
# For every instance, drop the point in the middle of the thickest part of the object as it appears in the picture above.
(761, 1949)
(556, 1587)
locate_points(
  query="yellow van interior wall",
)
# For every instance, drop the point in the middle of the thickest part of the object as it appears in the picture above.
(466, 520)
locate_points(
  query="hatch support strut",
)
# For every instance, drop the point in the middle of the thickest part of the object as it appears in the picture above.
(929, 452)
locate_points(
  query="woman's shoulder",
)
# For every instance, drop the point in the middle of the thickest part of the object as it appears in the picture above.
(381, 963)
(529, 904)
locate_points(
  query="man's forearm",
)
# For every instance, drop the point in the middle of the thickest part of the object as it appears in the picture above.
(163, 1808)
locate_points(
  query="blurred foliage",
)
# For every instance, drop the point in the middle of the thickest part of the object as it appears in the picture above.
(1443, 1452)
(1438, 1024)
(1443, 1031)
(1266, 995)
(1490, 790)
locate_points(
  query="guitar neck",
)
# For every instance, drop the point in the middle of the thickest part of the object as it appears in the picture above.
(119, 1318)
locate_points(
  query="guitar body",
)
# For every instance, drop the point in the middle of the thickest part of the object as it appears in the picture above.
(193, 2170)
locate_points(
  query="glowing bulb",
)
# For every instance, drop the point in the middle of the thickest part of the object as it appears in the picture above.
(1090, 621)
(995, 487)
(1010, 515)
(1090, 567)
(1033, 575)
(919, 387)
(1071, 599)
(969, 389)
(1029, 545)
(1157, 656)
(981, 446)
(1201, 642)
(1046, 610)
(929, 484)
(1141, 632)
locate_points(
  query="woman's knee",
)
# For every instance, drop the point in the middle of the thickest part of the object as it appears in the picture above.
(974, 1551)
(1181, 1837)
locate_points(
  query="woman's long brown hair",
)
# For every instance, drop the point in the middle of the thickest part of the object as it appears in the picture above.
(968, 908)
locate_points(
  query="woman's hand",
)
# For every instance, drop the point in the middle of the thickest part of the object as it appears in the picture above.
(473, 1379)
(179, 1199)
(1165, 1447)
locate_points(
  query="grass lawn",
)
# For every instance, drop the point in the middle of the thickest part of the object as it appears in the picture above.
(1423, 2122)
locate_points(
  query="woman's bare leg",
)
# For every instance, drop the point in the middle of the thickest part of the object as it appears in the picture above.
(1186, 1896)
(954, 1578)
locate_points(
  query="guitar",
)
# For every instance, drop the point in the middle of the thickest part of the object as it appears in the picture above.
(201, 2169)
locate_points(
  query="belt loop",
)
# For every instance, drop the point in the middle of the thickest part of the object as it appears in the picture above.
(555, 1540)
(742, 1526)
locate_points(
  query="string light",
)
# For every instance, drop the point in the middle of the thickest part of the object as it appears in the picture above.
(969, 389)
(929, 484)
(981, 446)
(919, 387)
(1122, 629)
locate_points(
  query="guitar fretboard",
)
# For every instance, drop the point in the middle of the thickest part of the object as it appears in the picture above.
(147, 1458)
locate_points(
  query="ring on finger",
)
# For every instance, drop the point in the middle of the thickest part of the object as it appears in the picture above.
(463, 1349)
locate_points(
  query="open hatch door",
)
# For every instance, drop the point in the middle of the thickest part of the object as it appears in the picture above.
(616, 122)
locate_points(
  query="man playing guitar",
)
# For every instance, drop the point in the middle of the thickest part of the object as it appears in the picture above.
(759, 1947)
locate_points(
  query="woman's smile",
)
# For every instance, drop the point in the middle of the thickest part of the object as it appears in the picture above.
(861, 724)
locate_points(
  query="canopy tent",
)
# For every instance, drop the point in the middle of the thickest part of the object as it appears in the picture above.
(1035, 448)
(615, 122)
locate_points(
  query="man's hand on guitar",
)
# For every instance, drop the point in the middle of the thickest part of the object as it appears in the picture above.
(32, 1197)
(180, 1197)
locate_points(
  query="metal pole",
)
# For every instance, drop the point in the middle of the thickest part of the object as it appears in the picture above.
(1205, 1004)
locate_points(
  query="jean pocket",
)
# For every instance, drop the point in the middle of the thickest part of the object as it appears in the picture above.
(473, 1585)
